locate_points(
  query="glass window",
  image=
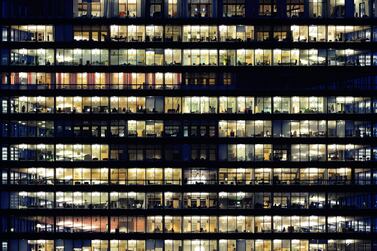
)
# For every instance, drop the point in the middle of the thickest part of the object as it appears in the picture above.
(295, 8)
(316, 8)
(267, 7)
(200, 8)
(233, 8)
(130, 8)
(156, 8)
(173, 8)
(336, 8)
(33, 33)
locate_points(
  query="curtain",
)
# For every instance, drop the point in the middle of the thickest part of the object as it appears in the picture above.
(110, 8)
(73, 79)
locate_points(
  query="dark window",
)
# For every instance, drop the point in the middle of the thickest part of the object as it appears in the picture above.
(200, 8)
(295, 8)
(156, 8)
(234, 8)
(267, 7)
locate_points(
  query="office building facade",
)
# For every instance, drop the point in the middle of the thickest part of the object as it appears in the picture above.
(188, 125)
